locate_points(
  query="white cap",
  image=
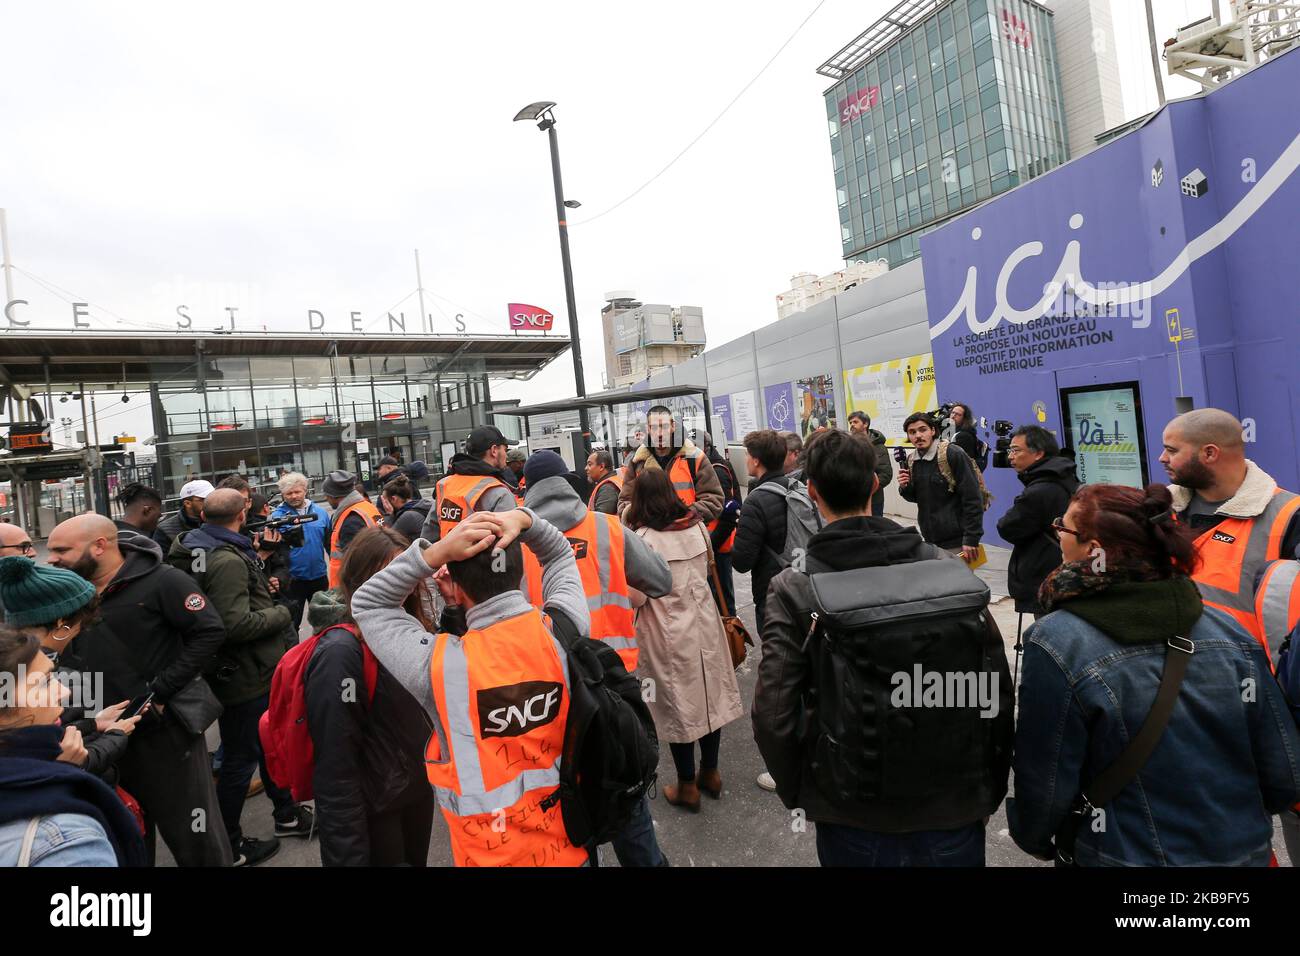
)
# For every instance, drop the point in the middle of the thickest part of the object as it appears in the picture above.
(196, 489)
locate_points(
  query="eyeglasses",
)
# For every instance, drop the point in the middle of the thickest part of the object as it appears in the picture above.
(23, 546)
(1013, 450)
(1059, 526)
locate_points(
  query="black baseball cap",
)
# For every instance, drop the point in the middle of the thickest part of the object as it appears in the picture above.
(483, 438)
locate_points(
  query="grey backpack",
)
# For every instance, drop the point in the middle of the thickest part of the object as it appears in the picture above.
(802, 519)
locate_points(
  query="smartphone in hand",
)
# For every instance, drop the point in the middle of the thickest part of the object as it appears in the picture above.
(140, 705)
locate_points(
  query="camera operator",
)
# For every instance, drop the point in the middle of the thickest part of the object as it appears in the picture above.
(306, 561)
(950, 517)
(272, 546)
(964, 437)
(1050, 482)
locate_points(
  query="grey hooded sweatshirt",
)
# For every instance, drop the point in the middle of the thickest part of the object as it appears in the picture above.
(556, 501)
(405, 648)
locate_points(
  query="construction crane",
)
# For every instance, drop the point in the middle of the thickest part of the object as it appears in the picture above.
(1212, 52)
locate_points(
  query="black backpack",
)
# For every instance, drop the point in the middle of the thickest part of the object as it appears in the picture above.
(611, 750)
(869, 744)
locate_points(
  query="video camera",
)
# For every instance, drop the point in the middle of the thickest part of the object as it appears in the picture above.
(943, 419)
(290, 526)
(1003, 429)
(280, 524)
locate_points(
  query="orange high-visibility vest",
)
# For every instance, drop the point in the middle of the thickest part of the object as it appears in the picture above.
(712, 525)
(598, 547)
(457, 496)
(372, 517)
(502, 699)
(1277, 607)
(614, 478)
(521, 491)
(683, 479)
(1235, 551)
(1277, 604)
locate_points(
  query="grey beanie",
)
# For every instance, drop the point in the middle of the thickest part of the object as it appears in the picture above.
(339, 484)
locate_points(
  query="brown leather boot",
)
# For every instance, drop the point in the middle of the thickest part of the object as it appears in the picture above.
(683, 794)
(710, 782)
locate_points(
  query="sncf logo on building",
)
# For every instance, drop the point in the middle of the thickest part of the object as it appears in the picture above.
(529, 317)
(518, 708)
(858, 102)
(1015, 29)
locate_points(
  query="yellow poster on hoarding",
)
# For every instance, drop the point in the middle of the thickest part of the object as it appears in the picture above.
(890, 391)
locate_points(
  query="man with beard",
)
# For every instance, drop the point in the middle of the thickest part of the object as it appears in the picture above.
(155, 633)
(688, 468)
(1242, 519)
(187, 517)
(141, 509)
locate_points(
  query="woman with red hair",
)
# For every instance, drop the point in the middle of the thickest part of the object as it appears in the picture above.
(1121, 611)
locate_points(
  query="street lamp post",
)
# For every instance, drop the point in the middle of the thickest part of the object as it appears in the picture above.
(540, 112)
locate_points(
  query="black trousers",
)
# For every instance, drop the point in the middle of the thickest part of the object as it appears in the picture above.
(167, 770)
(400, 837)
(300, 593)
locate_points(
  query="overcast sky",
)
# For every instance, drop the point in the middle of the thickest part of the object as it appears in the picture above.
(280, 157)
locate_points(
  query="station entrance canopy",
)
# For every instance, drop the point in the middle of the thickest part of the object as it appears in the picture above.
(260, 403)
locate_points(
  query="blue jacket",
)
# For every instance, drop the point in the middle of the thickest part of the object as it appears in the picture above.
(1227, 761)
(308, 562)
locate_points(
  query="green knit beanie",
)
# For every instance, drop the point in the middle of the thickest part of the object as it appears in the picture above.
(40, 594)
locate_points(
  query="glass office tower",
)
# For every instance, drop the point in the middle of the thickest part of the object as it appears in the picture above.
(938, 106)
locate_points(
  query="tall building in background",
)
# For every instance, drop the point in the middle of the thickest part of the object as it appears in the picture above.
(1089, 67)
(937, 106)
(642, 339)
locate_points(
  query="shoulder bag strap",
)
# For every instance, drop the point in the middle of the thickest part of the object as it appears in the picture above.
(1107, 785)
(713, 570)
(29, 837)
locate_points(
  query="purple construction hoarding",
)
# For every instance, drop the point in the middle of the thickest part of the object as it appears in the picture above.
(722, 412)
(778, 401)
(1162, 264)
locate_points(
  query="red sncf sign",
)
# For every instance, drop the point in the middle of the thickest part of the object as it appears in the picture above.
(528, 317)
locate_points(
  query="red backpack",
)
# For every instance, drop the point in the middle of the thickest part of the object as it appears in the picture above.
(286, 738)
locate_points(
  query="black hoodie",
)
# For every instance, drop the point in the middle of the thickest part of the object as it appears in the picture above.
(155, 628)
(782, 698)
(1049, 485)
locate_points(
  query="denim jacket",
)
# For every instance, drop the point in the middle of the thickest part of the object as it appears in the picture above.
(62, 839)
(1229, 757)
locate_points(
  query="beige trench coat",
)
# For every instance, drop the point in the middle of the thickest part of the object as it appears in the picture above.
(683, 648)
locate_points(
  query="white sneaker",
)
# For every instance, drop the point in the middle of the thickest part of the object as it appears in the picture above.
(766, 782)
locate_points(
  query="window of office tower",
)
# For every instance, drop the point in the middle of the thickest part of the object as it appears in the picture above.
(962, 105)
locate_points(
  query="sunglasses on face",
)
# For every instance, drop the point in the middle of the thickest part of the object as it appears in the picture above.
(1059, 525)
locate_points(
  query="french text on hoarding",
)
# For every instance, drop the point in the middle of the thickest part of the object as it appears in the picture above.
(1009, 348)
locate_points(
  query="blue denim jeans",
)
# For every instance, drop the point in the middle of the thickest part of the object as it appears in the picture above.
(849, 846)
(243, 755)
(636, 845)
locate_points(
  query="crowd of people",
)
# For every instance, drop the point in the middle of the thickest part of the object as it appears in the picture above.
(440, 673)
